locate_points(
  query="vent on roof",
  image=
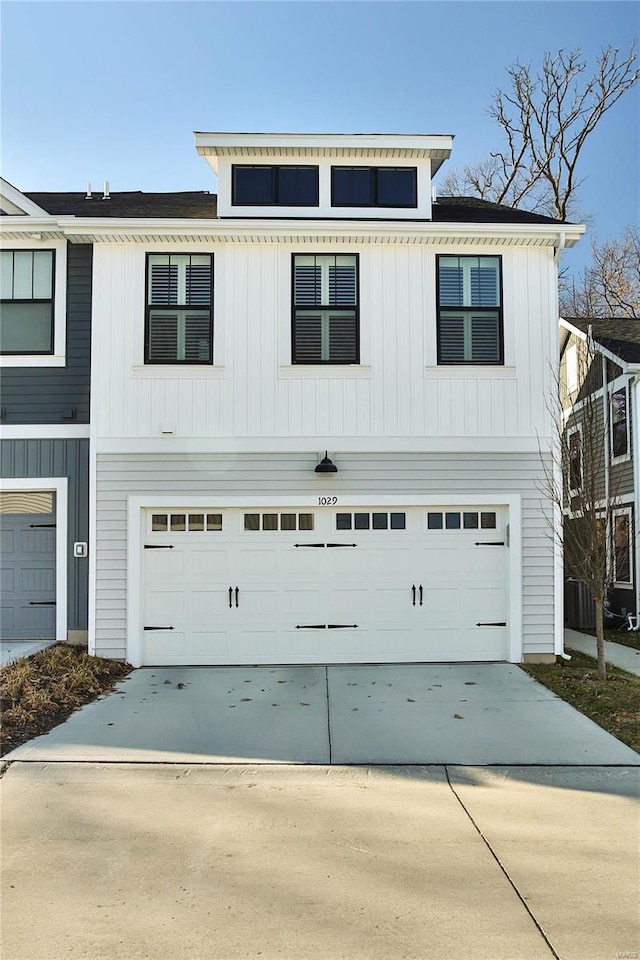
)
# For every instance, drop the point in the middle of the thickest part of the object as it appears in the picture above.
(88, 196)
(105, 193)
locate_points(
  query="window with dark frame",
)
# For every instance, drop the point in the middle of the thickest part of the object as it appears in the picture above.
(26, 302)
(469, 294)
(374, 187)
(179, 321)
(325, 321)
(267, 185)
(575, 461)
(623, 572)
(619, 424)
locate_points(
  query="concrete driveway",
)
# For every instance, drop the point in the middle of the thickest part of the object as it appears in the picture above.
(209, 814)
(401, 713)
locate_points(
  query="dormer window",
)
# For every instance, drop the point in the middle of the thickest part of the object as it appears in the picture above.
(283, 186)
(374, 187)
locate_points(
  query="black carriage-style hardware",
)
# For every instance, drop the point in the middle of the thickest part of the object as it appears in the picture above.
(499, 624)
(309, 544)
(42, 603)
(326, 626)
(413, 593)
(32, 526)
(419, 593)
(489, 543)
(420, 588)
(342, 544)
(158, 628)
(158, 546)
(237, 594)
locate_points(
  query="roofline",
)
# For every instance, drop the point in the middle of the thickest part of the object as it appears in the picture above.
(19, 199)
(244, 229)
(627, 365)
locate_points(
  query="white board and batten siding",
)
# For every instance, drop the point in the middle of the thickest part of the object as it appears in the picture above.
(253, 391)
(129, 484)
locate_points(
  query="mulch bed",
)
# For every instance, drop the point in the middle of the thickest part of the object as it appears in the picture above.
(39, 692)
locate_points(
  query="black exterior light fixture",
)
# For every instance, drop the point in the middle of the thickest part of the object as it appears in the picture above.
(326, 465)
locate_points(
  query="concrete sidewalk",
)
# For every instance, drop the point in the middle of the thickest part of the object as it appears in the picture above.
(616, 653)
(491, 713)
(173, 862)
(12, 650)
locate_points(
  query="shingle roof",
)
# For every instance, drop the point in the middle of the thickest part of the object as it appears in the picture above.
(621, 337)
(200, 204)
(196, 204)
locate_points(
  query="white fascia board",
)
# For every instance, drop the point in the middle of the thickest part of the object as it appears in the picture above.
(229, 143)
(44, 431)
(17, 199)
(31, 228)
(265, 230)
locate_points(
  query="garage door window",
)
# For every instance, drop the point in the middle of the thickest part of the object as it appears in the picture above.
(461, 520)
(371, 521)
(186, 522)
(256, 522)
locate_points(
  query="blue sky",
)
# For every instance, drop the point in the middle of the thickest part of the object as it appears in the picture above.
(114, 90)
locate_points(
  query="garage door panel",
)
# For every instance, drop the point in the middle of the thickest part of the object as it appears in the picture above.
(28, 564)
(323, 603)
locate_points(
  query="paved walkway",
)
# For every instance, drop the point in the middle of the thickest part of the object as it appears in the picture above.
(616, 653)
(131, 862)
(490, 713)
(11, 650)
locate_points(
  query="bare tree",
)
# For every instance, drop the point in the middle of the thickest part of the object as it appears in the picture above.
(610, 286)
(546, 117)
(579, 487)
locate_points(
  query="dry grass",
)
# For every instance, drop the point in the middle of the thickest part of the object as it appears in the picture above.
(39, 692)
(613, 704)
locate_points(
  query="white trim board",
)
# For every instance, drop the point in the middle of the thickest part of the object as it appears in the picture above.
(59, 485)
(45, 431)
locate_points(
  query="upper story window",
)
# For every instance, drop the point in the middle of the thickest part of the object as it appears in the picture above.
(26, 301)
(619, 423)
(267, 185)
(374, 187)
(575, 460)
(325, 326)
(179, 321)
(469, 310)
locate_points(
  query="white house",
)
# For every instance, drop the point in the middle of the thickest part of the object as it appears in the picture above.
(323, 303)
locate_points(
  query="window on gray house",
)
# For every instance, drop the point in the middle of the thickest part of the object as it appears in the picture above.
(619, 423)
(26, 301)
(469, 310)
(325, 323)
(179, 322)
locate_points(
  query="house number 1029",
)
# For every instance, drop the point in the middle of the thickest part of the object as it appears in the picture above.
(327, 501)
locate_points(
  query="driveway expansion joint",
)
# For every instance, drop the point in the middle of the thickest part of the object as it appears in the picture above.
(504, 870)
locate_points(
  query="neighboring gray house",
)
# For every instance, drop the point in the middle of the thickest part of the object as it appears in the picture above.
(45, 346)
(601, 359)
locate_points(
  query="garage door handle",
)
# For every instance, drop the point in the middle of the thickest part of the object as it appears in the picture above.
(420, 594)
(413, 591)
(237, 592)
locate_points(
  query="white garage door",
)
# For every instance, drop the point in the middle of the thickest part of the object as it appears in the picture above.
(360, 585)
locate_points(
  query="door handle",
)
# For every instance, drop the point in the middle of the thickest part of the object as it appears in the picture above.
(237, 592)
(230, 596)
(420, 594)
(413, 591)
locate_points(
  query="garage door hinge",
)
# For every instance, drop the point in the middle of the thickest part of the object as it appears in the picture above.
(326, 626)
(158, 628)
(309, 544)
(342, 544)
(500, 624)
(158, 546)
(42, 603)
(489, 543)
(32, 526)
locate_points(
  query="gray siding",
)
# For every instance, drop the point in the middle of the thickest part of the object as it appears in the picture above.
(40, 394)
(121, 475)
(59, 458)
